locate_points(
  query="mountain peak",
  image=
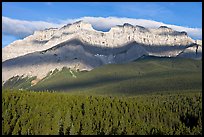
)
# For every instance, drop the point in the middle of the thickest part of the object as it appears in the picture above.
(117, 36)
(79, 46)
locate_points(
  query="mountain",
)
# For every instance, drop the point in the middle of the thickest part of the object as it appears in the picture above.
(79, 47)
(148, 74)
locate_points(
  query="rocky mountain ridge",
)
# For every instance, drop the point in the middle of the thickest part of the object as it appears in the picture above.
(79, 46)
(117, 36)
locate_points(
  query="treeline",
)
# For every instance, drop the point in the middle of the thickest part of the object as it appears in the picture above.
(44, 113)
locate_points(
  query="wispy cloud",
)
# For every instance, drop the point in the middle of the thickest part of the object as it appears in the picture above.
(23, 28)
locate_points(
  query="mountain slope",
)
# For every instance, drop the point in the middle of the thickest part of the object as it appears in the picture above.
(116, 37)
(145, 75)
(77, 55)
(79, 47)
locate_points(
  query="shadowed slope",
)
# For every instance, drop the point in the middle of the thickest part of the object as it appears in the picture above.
(148, 74)
(80, 55)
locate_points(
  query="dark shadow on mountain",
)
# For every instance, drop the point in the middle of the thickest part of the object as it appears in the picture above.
(67, 33)
(93, 49)
(174, 33)
(160, 49)
(84, 53)
(40, 59)
(99, 49)
(195, 55)
(74, 85)
(40, 42)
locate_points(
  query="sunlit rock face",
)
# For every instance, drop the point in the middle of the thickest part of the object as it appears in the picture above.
(116, 37)
(29, 44)
(79, 46)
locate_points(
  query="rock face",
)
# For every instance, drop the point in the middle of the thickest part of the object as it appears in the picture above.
(79, 46)
(29, 44)
(116, 37)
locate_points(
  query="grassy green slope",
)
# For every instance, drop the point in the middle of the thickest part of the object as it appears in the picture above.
(149, 74)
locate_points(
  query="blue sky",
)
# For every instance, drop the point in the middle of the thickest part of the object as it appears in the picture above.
(185, 14)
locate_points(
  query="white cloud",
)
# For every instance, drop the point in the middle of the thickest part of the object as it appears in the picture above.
(22, 28)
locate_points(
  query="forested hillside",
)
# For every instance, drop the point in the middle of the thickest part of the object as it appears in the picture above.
(44, 113)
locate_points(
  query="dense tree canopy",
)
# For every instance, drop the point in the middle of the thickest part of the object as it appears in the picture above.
(45, 113)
